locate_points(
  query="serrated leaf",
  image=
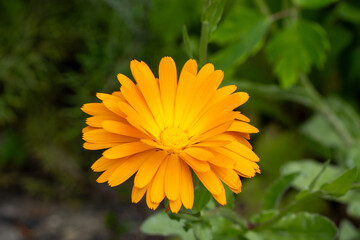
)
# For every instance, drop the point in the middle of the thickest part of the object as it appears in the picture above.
(300, 226)
(161, 224)
(296, 49)
(276, 190)
(308, 170)
(342, 184)
(239, 50)
(312, 4)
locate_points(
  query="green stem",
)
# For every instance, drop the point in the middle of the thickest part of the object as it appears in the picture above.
(320, 105)
(288, 209)
(263, 7)
(204, 42)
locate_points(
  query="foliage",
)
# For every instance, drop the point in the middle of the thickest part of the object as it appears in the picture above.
(299, 60)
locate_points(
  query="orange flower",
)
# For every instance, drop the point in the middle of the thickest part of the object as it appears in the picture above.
(162, 130)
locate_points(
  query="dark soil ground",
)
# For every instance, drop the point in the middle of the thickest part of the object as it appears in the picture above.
(23, 217)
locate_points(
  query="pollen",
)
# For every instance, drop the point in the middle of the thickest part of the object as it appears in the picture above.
(174, 138)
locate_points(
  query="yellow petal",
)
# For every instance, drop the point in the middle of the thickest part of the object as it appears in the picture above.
(190, 66)
(242, 117)
(137, 101)
(152, 205)
(98, 146)
(222, 161)
(228, 176)
(200, 166)
(216, 112)
(220, 198)
(172, 178)
(86, 129)
(168, 87)
(243, 127)
(243, 151)
(149, 88)
(137, 194)
(104, 177)
(128, 168)
(199, 153)
(113, 106)
(96, 121)
(126, 149)
(175, 205)
(96, 109)
(242, 165)
(213, 132)
(211, 144)
(103, 164)
(149, 168)
(158, 189)
(186, 83)
(203, 95)
(139, 119)
(103, 136)
(186, 186)
(122, 129)
(210, 181)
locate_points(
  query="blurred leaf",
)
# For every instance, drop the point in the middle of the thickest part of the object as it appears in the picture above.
(297, 226)
(295, 49)
(167, 17)
(161, 224)
(274, 193)
(187, 43)
(213, 14)
(317, 126)
(313, 3)
(308, 170)
(230, 198)
(342, 184)
(348, 231)
(349, 12)
(202, 231)
(201, 198)
(239, 50)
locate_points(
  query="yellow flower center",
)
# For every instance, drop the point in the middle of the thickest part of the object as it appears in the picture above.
(174, 138)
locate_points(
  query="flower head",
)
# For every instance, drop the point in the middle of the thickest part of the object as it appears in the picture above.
(162, 130)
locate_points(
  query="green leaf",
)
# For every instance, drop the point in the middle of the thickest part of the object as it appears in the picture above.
(312, 4)
(202, 231)
(274, 193)
(300, 226)
(308, 170)
(201, 198)
(342, 184)
(213, 14)
(296, 49)
(349, 12)
(230, 198)
(161, 224)
(241, 49)
(187, 43)
(348, 231)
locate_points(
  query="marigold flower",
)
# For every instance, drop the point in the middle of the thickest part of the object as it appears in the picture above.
(163, 130)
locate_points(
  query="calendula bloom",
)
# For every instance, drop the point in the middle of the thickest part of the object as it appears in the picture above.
(162, 130)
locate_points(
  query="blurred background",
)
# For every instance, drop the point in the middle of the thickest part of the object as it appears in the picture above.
(56, 55)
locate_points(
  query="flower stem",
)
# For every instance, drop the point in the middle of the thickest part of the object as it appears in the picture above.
(263, 7)
(320, 105)
(204, 42)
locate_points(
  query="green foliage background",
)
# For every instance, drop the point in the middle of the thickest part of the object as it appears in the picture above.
(299, 60)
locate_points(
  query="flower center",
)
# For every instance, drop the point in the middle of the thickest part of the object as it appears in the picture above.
(173, 137)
